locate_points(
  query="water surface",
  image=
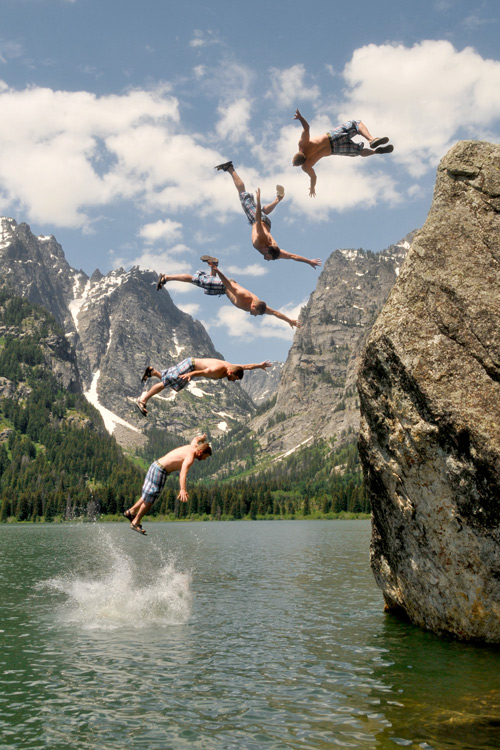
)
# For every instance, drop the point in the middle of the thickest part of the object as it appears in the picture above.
(223, 635)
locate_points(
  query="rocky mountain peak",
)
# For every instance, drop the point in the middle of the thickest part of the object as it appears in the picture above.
(117, 324)
(316, 396)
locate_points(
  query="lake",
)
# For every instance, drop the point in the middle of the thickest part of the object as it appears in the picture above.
(244, 635)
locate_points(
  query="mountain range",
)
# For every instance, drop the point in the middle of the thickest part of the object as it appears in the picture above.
(116, 324)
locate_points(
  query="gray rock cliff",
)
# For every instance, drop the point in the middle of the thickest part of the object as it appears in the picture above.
(429, 389)
(317, 391)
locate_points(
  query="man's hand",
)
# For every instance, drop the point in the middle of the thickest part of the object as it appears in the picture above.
(312, 192)
(186, 376)
(315, 262)
(297, 115)
(265, 364)
(295, 323)
(182, 496)
(257, 195)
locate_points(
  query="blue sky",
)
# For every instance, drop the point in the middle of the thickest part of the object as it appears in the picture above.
(114, 113)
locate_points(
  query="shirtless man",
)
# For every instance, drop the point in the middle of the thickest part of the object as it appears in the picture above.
(178, 376)
(180, 459)
(258, 217)
(336, 141)
(237, 294)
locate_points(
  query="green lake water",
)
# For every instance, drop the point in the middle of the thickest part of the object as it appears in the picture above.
(244, 635)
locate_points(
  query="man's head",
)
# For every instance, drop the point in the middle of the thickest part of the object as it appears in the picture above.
(234, 373)
(299, 159)
(203, 452)
(258, 308)
(271, 252)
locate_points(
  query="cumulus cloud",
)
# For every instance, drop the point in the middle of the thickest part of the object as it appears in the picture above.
(289, 86)
(424, 97)
(241, 325)
(164, 231)
(233, 125)
(254, 269)
(164, 262)
(66, 151)
(190, 309)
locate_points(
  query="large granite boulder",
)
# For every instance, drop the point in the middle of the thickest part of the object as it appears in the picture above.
(429, 387)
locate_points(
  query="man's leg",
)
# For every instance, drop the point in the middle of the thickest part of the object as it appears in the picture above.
(141, 511)
(157, 388)
(165, 277)
(374, 142)
(238, 182)
(271, 206)
(228, 167)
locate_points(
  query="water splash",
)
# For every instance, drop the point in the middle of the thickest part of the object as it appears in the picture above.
(123, 592)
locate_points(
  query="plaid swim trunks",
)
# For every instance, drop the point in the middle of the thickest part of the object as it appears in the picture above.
(171, 377)
(154, 482)
(340, 139)
(248, 205)
(211, 284)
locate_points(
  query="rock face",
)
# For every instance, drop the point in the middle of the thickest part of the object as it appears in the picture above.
(429, 389)
(261, 385)
(317, 391)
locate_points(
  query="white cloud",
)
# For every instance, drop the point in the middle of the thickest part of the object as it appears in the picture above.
(234, 120)
(423, 97)
(241, 325)
(254, 269)
(161, 262)
(63, 152)
(203, 38)
(190, 309)
(166, 231)
(289, 86)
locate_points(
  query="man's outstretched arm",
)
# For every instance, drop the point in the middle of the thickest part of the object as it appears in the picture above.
(262, 365)
(282, 316)
(285, 255)
(304, 138)
(312, 184)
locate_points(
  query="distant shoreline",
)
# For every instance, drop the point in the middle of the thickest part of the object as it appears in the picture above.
(341, 516)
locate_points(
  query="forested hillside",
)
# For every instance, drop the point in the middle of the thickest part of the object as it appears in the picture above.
(56, 458)
(315, 480)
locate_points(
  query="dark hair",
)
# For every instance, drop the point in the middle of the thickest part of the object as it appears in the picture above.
(260, 307)
(204, 450)
(238, 371)
(299, 159)
(273, 251)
